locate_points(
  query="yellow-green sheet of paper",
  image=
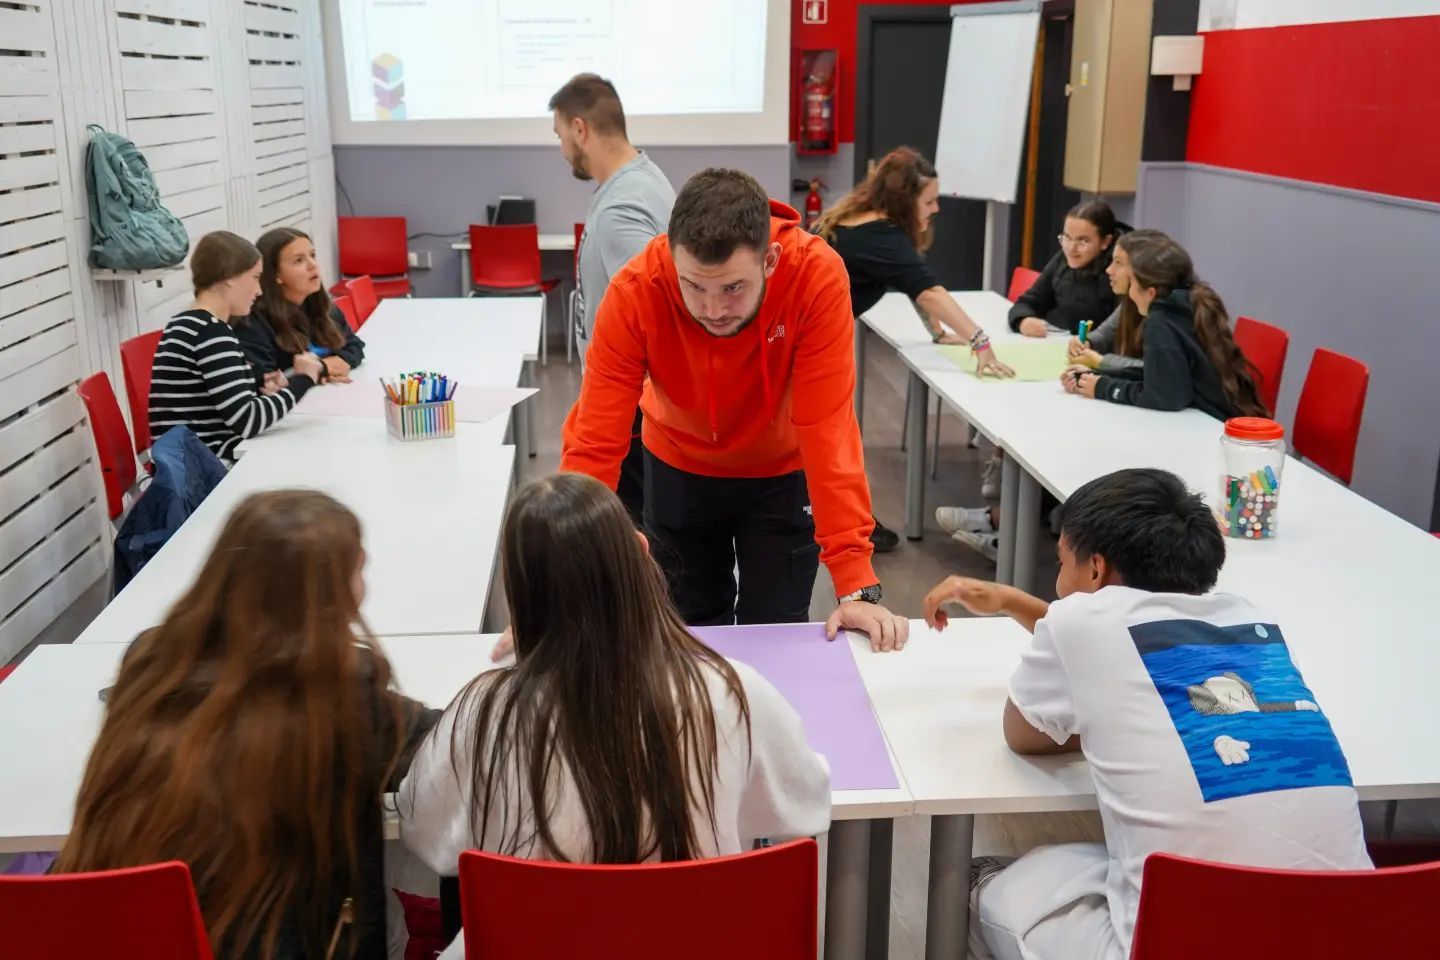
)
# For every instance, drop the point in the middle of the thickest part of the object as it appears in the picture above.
(1030, 359)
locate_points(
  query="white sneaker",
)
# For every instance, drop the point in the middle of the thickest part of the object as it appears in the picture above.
(969, 519)
(990, 477)
(985, 544)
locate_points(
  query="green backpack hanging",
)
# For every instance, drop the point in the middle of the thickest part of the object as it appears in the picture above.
(129, 228)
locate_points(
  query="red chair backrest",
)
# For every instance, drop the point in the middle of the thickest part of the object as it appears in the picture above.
(137, 358)
(362, 295)
(508, 907)
(139, 913)
(112, 440)
(374, 245)
(505, 258)
(1265, 347)
(1021, 280)
(1189, 908)
(1327, 421)
(347, 307)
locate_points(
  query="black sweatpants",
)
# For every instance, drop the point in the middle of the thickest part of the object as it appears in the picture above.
(631, 489)
(702, 527)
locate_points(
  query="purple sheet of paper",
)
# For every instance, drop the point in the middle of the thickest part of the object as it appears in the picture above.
(822, 683)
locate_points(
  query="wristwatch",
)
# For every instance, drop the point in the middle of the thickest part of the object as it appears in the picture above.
(870, 594)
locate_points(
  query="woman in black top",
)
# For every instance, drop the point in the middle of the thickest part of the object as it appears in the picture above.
(880, 230)
(1190, 358)
(295, 315)
(1073, 286)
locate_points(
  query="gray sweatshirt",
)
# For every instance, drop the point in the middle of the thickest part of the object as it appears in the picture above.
(1102, 341)
(627, 212)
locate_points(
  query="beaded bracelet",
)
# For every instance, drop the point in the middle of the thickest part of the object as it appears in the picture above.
(979, 342)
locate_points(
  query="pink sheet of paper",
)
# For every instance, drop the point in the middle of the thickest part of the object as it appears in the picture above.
(365, 399)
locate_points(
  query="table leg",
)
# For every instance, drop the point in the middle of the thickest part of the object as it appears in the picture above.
(915, 458)
(1027, 532)
(877, 915)
(845, 902)
(1009, 508)
(464, 273)
(530, 411)
(947, 911)
(860, 373)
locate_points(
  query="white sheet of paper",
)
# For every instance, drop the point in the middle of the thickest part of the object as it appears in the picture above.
(364, 398)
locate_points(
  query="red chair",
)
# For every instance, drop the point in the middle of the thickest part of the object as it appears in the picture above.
(112, 440)
(508, 907)
(362, 297)
(1264, 346)
(137, 358)
(6, 671)
(506, 260)
(1188, 906)
(1020, 281)
(347, 307)
(376, 247)
(1327, 421)
(139, 913)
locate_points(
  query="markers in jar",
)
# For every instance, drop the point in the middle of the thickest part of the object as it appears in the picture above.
(1253, 503)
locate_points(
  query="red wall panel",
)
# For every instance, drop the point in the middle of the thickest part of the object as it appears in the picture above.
(839, 32)
(1352, 104)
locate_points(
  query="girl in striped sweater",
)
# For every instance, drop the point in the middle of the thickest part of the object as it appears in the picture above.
(200, 378)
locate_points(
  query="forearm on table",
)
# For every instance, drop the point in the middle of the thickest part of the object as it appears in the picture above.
(937, 303)
(1027, 739)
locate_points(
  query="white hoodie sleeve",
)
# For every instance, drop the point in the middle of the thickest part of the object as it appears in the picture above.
(434, 797)
(787, 790)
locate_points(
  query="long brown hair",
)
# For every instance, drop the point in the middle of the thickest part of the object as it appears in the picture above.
(1158, 262)
(608, 685)
(892, 189)
(296, 326)
(1129, 335)
(234, 739)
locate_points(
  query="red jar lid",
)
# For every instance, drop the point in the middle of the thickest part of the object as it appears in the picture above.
(1253, 428)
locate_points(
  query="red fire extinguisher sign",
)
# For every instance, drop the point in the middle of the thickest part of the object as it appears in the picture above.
(816, 11)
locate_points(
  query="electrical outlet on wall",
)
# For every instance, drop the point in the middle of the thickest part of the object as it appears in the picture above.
(420, 259)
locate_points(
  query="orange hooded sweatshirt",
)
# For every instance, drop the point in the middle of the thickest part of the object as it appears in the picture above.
(777, 397)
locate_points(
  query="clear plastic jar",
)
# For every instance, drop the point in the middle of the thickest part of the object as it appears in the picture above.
(1252, 453)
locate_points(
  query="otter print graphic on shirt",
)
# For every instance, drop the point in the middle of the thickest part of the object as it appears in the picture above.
(1248, 722)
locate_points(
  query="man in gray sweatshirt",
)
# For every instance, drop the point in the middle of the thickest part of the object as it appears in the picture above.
(631, 206)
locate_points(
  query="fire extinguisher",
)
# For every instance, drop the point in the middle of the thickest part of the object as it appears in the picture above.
(813, 204)
(817, 132)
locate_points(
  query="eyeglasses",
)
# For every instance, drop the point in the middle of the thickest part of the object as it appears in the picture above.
(1079, 243)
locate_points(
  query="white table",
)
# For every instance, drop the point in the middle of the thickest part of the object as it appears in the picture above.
(491, 341)
(457, 513)
(50, 715)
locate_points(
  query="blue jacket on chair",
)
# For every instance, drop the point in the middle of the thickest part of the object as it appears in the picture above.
(185, 473)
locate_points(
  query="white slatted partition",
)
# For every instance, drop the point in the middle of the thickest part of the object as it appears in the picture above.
(226, 99)
(52, 543)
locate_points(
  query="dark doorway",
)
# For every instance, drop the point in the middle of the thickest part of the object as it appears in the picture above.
(901, 55)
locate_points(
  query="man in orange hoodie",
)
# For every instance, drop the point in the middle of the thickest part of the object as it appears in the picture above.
(734, 333)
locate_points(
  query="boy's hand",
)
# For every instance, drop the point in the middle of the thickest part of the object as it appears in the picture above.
(977, 596)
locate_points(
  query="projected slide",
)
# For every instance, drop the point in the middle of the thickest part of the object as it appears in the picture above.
(484, 59)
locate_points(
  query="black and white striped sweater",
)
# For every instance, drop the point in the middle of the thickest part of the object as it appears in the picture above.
(200, 380)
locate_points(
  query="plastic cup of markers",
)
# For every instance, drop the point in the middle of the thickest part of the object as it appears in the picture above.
(1252, 452)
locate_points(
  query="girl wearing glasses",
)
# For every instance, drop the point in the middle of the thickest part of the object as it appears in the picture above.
(1073, 286)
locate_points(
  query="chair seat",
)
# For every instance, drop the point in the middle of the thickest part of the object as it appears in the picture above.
(545, 286)
(393, 287)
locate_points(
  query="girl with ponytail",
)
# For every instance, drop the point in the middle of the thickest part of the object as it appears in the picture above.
(1189, 357)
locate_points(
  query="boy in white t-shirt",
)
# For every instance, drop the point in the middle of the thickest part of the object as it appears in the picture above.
(1200, 733)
